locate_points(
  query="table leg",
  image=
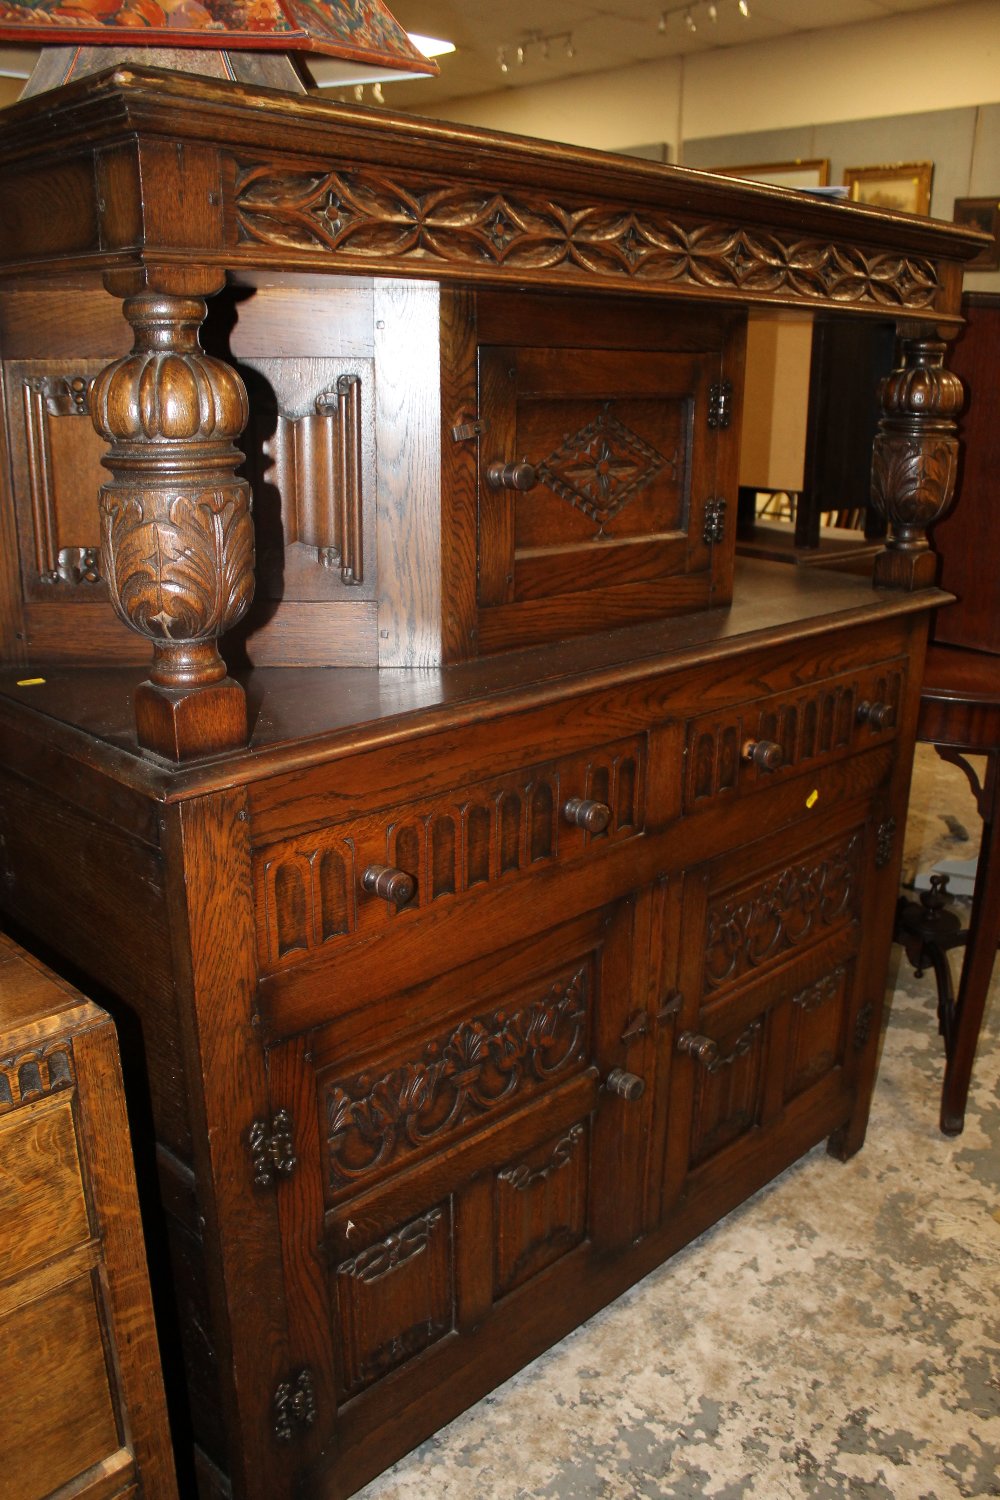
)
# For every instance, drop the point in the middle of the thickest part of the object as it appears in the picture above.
(977, 970)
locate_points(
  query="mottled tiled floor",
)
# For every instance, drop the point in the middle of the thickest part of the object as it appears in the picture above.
(838, 1336)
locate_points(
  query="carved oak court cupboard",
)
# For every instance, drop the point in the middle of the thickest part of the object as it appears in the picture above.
(519, 901)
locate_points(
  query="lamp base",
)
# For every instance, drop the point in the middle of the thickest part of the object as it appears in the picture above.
(272, 70)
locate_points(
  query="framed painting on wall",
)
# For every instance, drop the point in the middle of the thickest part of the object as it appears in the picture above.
(905, 187)
(790, 174)
(984, 214)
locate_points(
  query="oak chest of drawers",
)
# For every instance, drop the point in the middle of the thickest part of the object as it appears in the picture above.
(84, 1410)
(521, 900)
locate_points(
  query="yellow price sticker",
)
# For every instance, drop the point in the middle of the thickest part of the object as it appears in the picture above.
(30, 681)
(812, 798)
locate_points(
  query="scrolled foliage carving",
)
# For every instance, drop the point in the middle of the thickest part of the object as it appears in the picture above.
(372, 217)
(781, 912)
(481, 1064)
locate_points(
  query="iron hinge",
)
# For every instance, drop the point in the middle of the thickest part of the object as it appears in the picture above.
(720, 398)
(294, 1405)
(463, 432)
(885, 839)
(715, 520)
(271, 1149)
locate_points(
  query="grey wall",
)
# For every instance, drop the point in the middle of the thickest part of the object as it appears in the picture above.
(963, 144)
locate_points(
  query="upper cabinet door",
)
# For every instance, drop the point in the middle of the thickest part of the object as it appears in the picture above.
(607, 485)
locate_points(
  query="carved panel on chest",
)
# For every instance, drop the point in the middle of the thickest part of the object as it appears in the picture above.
(486, 1065)
(766, 919)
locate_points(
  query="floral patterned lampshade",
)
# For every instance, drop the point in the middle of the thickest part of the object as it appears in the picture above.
(358, 31)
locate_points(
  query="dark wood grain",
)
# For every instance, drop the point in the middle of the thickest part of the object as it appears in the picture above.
(489, 962)
(965, 539)
(85, 1406)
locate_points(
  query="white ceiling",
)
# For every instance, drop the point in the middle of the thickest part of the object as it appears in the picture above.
(605, 34)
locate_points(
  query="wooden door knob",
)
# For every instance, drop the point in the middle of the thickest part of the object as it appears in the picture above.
(626, 1085)
(519, 475)
(878, 715)
(701, 1048)
(766, 755)
(392, 885)
(593, 816)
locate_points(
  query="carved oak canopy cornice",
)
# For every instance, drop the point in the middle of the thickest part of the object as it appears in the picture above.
(270, 180)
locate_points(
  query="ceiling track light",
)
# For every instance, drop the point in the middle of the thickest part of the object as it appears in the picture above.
(691, 9)
(520, 51)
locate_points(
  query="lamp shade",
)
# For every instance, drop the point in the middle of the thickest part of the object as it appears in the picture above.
(358, 31)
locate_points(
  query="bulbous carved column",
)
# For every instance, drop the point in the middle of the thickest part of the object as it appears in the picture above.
(914, 461)
(176, 532)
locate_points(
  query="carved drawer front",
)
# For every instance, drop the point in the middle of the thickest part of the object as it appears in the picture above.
(322, 888)
(750, 747)
(601, 470)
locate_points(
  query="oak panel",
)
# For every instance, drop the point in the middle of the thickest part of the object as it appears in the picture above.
(43, 1211)
(58, 1415)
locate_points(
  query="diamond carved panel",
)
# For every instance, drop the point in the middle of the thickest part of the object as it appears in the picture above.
(603, 466)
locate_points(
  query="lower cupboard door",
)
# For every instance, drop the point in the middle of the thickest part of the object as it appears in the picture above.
(773, 980)
(461, 1163)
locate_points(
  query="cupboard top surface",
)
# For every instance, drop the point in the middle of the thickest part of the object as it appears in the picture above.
(301, 716)
(160, 168)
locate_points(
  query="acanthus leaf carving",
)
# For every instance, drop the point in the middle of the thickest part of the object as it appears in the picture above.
(182, 565)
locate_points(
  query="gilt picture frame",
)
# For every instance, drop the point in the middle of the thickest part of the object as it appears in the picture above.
(904, 187)
(981, 213)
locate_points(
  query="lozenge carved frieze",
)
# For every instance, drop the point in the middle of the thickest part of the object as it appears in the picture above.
(368, 217)
(786, 910)
(375, 1118)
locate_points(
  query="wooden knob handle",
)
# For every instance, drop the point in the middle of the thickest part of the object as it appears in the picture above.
(701, 1048)
(878, 715)
(392, 885)
(593, 816)
(626, 1085)
(519, 475)
(766, 755)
